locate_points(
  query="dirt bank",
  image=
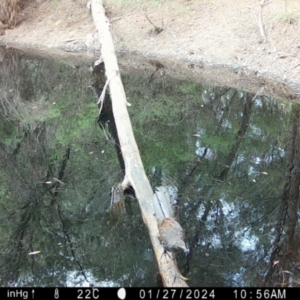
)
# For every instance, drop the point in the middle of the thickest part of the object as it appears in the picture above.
(216, 42)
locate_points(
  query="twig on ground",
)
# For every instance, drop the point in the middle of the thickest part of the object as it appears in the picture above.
(295, 67)
(260, 90)
(260, 21)
(157, 30)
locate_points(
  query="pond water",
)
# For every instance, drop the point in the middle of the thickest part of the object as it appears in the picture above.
(230, 157)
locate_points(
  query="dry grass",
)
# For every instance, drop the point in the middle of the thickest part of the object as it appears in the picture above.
(290, 17)
(9, 10)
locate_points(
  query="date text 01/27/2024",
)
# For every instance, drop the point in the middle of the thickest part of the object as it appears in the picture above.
(176, 294)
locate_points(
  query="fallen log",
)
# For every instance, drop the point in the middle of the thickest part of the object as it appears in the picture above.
(135, 176)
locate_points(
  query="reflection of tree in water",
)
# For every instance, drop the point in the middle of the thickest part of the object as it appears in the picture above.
(224, 212)
(285, 259)
(57, 181)
(52, 152)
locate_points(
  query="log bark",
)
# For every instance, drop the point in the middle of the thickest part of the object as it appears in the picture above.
(135, 175)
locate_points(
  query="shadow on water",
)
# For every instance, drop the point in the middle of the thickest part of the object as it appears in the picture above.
(231, 158)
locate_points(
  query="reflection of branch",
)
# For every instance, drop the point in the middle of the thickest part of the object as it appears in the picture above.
(70, 243)
(13, 167)
(54, 195)
(287, 212)
(60, 175)
(15, 256)
(194, 240)
(240, 135)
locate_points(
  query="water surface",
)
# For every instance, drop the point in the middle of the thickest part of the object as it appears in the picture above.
(231, 158)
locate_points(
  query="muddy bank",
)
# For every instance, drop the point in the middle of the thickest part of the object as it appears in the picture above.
(200, 72)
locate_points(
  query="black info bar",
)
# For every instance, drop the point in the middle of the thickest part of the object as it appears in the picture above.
(149, 293)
